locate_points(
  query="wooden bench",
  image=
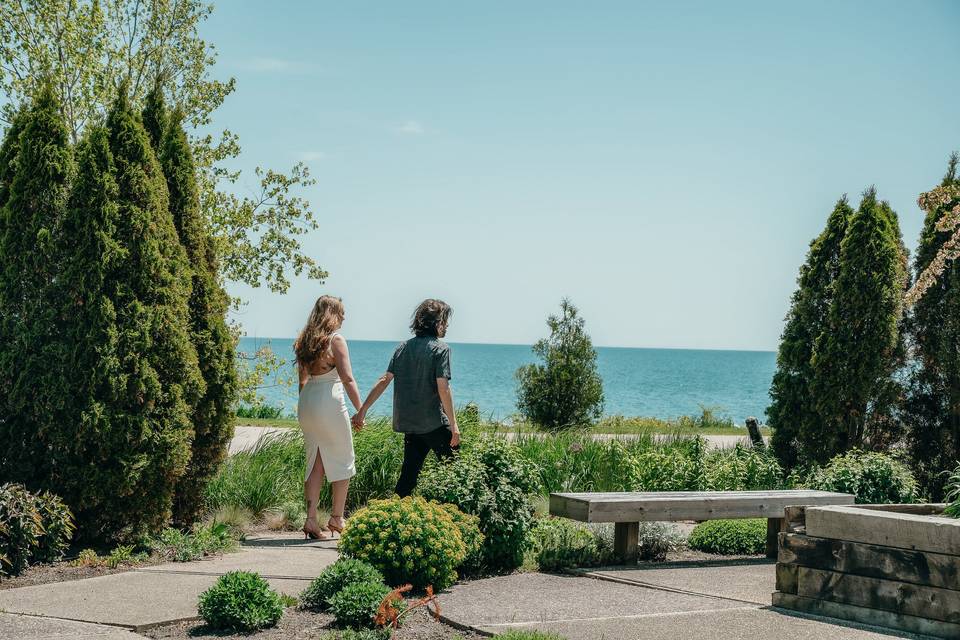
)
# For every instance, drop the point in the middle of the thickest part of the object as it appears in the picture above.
(627, 510)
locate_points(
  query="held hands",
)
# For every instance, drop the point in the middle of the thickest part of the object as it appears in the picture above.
(358, 420)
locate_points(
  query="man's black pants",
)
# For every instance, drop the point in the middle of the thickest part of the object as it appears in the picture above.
(416, 446)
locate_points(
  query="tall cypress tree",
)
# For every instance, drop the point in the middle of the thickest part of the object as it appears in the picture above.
(8, 154)
(934, 404)
(792, 414)
(212, 415)
(29, 349)
(858, 355)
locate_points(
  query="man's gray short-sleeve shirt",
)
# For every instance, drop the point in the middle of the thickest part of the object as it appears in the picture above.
(416, 365)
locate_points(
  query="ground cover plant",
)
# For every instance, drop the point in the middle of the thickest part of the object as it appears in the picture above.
(729, 537)
(874, 478)
(335, 578)
(356, 605)
(240, 601)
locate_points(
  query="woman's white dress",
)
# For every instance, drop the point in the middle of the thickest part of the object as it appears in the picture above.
(322, 412)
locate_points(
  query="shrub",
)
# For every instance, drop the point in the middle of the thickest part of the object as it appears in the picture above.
(341, 574)
(558, 543)
(491, 480)
(123, 554)
(730, 537)
(677, 468)
(259, 411)
(874, 478)
(410, 540)
(565, 390)
(58, 528)
(742, 469)
(357, 604)
(22, 527)
(574, 461)
(88, 558)
(240, 601)
(469, 527)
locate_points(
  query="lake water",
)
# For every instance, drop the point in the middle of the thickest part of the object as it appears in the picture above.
(662, 383)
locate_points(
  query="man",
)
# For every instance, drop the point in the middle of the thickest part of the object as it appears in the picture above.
(422, 400)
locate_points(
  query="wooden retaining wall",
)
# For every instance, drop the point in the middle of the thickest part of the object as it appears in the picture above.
(895, 566)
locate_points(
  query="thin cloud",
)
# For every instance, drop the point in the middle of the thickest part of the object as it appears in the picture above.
(411, 128)
(311, 156)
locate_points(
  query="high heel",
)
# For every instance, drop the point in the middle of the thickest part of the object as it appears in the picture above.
(333, 527)
(313, 533)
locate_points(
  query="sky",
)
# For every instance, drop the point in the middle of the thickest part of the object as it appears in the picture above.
(664, 165)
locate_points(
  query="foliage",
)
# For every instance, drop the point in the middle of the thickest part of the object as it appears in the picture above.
(528, 635)
(730, 537)
(357, 603)
(952, 494)
(742, 469)
(874, 478)
(240, 601)
(933, 405)
(574, 461)
(469, 527)
(336, 577)
(203, 540)
(88, 558)
(20, 527)
(410, 540)
(259, 411)
(123, 555)
(792, 415)
(58, 528)
(558, 543)
(357, 634)
(679, 468)
(565, 390)
(492, 480)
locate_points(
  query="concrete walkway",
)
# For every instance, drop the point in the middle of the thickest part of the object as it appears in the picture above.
(684, 602)
(145, 597)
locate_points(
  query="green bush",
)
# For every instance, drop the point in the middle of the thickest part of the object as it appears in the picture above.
(58, 528)
(558, 543)
(680, 467)
(22, 527)
(410, 540)
(730, 537)
(356, 604)
(952, 494)
(240, 601)
(491, 480)
(469, 527)
(742, 469)
(565, 390)
(575, 461)
(874, 478)
(341, 574)
(203, 540)
(259, 411)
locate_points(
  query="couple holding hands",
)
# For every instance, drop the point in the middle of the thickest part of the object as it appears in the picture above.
(422, 403)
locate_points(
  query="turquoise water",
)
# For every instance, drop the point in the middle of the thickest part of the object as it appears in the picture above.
(662, 383)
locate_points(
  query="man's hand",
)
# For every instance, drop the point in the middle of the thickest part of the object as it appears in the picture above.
(455, 437)
(358, 420)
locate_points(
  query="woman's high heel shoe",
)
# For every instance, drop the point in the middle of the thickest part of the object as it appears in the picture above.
(335, 527)
(315, 532)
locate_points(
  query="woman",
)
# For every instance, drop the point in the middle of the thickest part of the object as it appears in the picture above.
(323, 363)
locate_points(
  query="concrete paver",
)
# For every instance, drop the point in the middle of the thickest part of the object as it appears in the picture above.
(749, 582)
(278, 562)
(18, 627)
(748, 623)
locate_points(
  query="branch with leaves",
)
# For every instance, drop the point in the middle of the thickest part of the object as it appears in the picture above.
(946, 198)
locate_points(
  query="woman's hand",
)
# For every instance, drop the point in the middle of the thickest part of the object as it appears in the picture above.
(359, 419)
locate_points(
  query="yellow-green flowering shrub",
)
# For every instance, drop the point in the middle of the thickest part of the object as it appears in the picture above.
(469, 527)
(410, 540)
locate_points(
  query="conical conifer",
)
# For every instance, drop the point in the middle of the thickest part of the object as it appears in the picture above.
(213, 413)
(934, 404)
(792, 414)
(857, 356)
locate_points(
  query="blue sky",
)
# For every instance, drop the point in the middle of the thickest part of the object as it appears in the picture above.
(663, 164)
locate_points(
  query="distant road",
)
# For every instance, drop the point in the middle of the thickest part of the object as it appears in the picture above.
(246, 437)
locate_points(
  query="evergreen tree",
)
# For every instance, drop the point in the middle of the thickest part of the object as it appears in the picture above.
(934, 404)
(212, 415)
(792, 414)
(36, 201)
(8, 155)
(566, 390)
(858, 355)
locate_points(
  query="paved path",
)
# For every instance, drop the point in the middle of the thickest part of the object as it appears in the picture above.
(149, 596)
(247, 436)
(684, 602)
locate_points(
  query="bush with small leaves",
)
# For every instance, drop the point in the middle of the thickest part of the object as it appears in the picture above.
(730, 537)
(742, 469)
(410, 540)
(22, 527)
(679, 467)
(874, 478)
(357, 604)
(334, 579)
(558, 543)
(469, 526)
(240, 601)
(58, 528)
(952, 494)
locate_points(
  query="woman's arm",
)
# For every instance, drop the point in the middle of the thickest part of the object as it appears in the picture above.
(375, 393)
(446, 399)
(303, 371)
(341, 358)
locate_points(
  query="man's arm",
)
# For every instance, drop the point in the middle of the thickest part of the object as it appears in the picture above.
(446, 399)
(375, 393)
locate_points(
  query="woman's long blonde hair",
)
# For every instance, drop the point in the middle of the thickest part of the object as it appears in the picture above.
(314, 341)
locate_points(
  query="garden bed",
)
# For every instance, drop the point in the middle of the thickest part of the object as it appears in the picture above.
(891, 565)
(306, 625)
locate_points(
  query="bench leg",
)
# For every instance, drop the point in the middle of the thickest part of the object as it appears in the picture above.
(626, 537)
(774, 527)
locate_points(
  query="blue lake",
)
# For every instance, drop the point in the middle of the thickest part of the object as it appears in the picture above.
(662, 383)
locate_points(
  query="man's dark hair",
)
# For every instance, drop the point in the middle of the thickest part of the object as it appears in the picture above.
(429, 317)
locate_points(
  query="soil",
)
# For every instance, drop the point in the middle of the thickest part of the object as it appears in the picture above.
(60, 572)
(305, 625)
